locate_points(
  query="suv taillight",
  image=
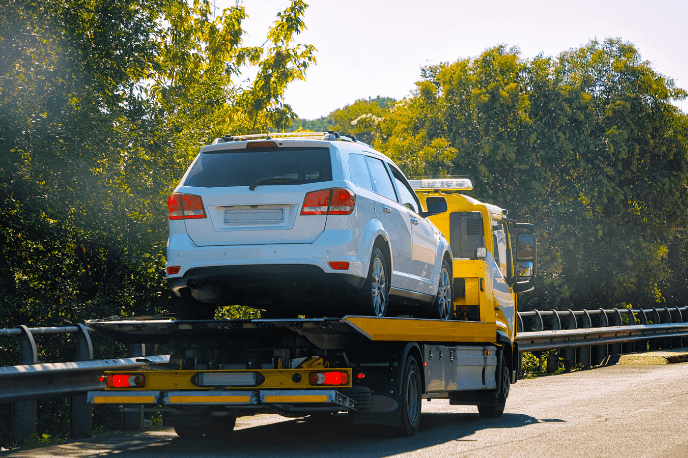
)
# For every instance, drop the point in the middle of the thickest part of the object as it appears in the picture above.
(337, 201)
(185, 206)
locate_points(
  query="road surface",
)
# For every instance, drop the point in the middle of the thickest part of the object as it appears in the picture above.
(630, 411)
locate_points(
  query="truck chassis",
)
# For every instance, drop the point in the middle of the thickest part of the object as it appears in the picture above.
(376, 369)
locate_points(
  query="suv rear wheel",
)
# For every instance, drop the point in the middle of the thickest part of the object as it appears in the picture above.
(374, 296)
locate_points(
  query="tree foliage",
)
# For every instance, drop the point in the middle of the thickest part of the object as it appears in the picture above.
(587, 146)
(102, 106)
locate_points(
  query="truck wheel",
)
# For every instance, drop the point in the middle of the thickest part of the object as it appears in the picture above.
(410, 405)
(189, 430)
(374, 296)
(443, 307)
(222, 428)
(493, 403)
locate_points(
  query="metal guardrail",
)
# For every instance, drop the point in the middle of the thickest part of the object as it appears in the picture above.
(593, 337)
(586, 337)
(24, 384)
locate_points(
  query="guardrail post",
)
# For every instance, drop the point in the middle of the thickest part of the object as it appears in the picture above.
(600, 352)
(677, 342)
(570, 352)
(615, 349)
(553, 355)
(629, 347)
(80, 412)
(24, 412)
(585, 353)
(668, 342)
(132, 420)
(655, 344)
(642, 345)
(683, 319)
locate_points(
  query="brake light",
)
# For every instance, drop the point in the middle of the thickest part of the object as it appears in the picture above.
(174, 204)
(332, 378)
(173, 270)
(185, 206)
(337, 201)
(124, 380)
(342, 202)
(316, 203)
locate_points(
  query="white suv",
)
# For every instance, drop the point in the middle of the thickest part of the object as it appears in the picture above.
(305, 223)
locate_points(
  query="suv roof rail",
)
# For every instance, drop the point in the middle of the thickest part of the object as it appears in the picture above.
(329, 135)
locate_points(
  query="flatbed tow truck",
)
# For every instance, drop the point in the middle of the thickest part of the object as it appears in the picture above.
(377, 370)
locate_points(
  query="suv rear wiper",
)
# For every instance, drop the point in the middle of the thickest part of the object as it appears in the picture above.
(274, 180)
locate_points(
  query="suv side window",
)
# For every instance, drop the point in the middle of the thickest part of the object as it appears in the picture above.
(358, 171)
(381, 180)
(406, 194)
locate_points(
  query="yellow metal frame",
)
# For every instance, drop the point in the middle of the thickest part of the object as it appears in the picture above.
(274, 379)
(413, 330)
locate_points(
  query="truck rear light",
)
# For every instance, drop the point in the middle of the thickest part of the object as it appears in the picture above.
(342, 202)
(185, 206)
(339, 265)
(227, 379)
(316, 203)
(124, 380)
(330, 378)
(337, 201)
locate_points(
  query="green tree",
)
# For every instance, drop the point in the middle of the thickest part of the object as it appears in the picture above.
(587, 146)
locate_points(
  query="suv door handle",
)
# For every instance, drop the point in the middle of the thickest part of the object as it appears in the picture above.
(414, 221)
(387, 210)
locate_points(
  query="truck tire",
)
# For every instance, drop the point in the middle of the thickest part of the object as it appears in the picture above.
(189, 430)
(493, 402)
(373, 298)
(188, 308)
(410, 405)
(222, 428)
(443, 306)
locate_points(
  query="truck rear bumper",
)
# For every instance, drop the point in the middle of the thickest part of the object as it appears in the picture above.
(292, 400)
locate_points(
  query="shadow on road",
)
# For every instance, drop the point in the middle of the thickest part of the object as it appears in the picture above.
(331, 437)
(335, 437)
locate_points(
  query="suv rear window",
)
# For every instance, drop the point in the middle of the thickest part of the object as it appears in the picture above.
(245, 167)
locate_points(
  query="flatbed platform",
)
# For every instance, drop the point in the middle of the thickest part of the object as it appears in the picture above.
(324, 332)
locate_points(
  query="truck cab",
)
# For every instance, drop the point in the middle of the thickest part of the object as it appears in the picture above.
(494, 257)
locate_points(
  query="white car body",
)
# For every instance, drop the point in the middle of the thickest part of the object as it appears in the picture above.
(255, 247)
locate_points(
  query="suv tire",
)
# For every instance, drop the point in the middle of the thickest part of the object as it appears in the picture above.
(373, 298)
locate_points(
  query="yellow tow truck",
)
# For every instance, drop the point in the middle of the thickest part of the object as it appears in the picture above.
(377, 370)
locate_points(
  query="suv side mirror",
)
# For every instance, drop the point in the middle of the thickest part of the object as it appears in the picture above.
(525, 259)
(436, 205)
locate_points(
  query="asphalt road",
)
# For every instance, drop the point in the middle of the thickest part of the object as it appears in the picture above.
(630, 411)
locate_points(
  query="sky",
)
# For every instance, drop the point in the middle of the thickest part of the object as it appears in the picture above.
(368, 48)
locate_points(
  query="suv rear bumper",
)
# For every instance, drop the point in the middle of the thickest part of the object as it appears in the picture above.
(263, 285)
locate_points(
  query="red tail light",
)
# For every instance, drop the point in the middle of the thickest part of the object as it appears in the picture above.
(185, 206)
(342, 202)
(332, 378)
(316, 203)
(338, 201)
(125, 381)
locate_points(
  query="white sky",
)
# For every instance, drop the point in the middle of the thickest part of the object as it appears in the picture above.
(368, 48)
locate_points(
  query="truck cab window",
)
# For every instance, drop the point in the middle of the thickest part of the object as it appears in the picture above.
(500, 246)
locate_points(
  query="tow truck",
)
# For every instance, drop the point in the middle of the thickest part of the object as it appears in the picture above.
(377, 370)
